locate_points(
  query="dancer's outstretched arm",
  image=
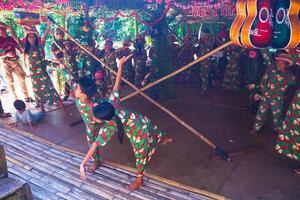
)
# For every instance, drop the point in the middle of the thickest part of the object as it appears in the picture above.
(87, 157)
(122, 61)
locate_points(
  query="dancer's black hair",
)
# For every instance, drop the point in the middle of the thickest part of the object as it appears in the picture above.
(87, 86)
(106, 111)
(28, 45)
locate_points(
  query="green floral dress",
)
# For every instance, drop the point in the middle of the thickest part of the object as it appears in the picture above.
(273, 86)
(288, 142)
(143, 135)
(92, 127)
(43, 88)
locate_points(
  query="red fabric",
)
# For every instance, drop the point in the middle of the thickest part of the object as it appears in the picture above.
(8, 44)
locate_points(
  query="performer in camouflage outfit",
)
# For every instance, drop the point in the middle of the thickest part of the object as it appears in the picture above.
(205, 65)
(231, 80)
(71, 64)
(109, 55)
(129, 73)
(56, 48)
(140, 58)
(273, 86)
(185, 56)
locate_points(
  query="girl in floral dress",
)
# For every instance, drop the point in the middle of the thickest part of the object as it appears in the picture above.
(143, 135)
(34, 56)
(288, 141)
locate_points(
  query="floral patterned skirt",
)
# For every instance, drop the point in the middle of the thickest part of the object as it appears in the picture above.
(43, 88)
(288, 142)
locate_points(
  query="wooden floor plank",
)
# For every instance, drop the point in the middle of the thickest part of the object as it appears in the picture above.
(53, 173)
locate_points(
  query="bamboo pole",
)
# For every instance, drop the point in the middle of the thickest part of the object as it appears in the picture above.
(179, 70)
(198, 134)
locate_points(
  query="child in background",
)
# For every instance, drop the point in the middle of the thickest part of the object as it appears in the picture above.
(102, 88)
(25, 116)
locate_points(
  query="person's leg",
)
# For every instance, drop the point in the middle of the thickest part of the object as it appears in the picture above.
(17, 69)
(1, 108)
(276, 109)
(67, 91)
(41, 105)
(2, 113)
(204, 78)
(9, 77)
(59, 81)
(37, 117)
(3, 82)
(139, 179)
(261, 115)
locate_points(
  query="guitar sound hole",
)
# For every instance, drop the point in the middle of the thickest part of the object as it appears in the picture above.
(264, 15)
(280, 15)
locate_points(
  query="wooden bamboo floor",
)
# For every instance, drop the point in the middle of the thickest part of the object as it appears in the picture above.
(54, 174)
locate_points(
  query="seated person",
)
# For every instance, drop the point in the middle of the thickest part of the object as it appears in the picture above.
(24, 115)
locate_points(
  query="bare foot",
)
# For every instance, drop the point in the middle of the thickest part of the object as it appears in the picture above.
(94, 166)
(136, 184)
(166, 140)
(297, 171)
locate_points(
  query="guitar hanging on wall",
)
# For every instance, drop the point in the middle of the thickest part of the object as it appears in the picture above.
(264, 23)
(281, 24)
(238, 22)
(257, 31)
(286, 33)
(294, 16)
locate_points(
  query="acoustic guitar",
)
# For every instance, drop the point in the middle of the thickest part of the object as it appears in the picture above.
(281, 24)
(238, 22)
(294, 17)
(257, 31)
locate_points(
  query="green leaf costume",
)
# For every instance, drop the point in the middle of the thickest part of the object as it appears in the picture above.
(273, 85)
(288, 142)
(43, 88)
(143, 135)
(92, 127)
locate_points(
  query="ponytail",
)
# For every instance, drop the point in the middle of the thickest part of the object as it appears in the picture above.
(120, 128)
(106, 111)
